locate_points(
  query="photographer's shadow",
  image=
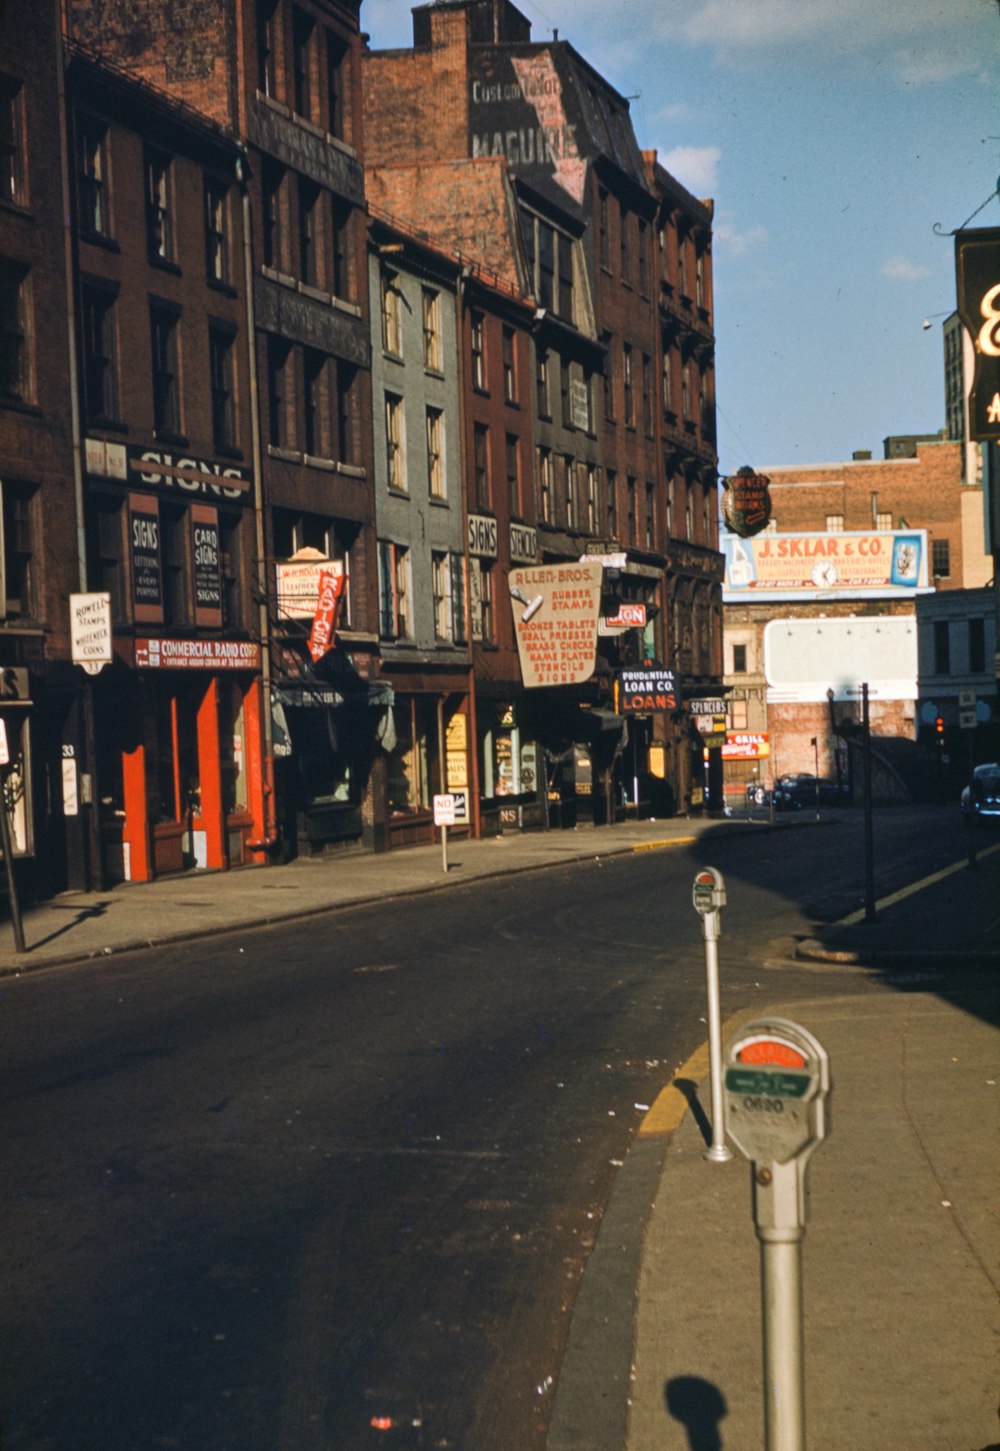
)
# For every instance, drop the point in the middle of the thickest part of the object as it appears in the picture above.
(699, 1406)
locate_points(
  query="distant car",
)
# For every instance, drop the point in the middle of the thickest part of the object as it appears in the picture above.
(798, 793)
(985, 792)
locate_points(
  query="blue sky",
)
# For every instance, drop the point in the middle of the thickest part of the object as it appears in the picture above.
(832, 135)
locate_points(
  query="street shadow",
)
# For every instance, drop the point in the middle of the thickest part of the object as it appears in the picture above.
(87, 914)
(689, 1088)
(699, 1406)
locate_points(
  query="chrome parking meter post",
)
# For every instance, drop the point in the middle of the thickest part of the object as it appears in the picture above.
(777, 1085)
(709, 899)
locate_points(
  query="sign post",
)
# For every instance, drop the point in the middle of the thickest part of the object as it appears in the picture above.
(709, 899)
(444, 816)
(777, 1084)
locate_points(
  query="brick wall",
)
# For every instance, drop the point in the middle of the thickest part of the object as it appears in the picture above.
(416, 102)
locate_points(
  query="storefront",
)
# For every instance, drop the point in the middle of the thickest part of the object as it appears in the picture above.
(177, 731)
(429, 754)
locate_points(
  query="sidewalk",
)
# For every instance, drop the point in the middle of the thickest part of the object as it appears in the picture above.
(901, 1256)
(80, 925)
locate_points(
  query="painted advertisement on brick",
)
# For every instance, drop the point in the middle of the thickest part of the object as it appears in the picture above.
(523, 108)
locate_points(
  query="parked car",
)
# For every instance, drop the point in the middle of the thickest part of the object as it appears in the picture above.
(800, 792)
(985, 792)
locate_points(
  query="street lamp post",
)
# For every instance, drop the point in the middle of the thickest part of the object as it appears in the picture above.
(836, 743)
(815, 746)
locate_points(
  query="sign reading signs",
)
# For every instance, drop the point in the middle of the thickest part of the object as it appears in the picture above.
(482, 534)
(207, 566)
(746, 503)
(144, 544)
(555, 609)
(977, 268)
(639, 691)
(886, 562)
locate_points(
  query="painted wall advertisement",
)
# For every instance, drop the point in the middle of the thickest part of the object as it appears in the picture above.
(518, 109)
(555, 609)
(782, 566)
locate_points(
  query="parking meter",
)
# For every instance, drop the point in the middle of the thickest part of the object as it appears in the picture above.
(777, 1080)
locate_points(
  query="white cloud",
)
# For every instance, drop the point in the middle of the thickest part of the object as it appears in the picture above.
(901, 269)
(696, 167)
(736, 242)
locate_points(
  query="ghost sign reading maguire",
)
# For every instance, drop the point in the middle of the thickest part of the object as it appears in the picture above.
(555, 609)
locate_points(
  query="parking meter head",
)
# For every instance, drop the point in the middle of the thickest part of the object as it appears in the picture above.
(709, 893)
(776, 1080)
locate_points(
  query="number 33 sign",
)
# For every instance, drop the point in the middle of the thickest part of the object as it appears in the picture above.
(977, 272)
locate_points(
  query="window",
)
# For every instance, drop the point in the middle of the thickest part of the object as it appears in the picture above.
(273, 191)
(478, 344)
(650, 516)
(546, 270)
(15, 337)
(481, 464)
(394, 452)
(513, 473)
(628, 382)
(592, 519)
(106, 552)
(458, 598)
(481, 591)
(834, 523)
(280, 395)
(565, 411)
(643, 245)
(216, 231)
(100, 373)
(303, 29)
(509, 372)
(565, 299)
(166, 382)
(977, 645)
(883, 521)
(340, 261)
(12, 173)
(392, 318)
(309, 222)
(609, 379)
(92, 177)
(316, 441)
(174, 554)
(220, 351)
(435, 454)
(230, 568)
(569, 492)
(737, 717)
(603, 238)
(338, 82)
(441, 594)
(739, 659)
(17, 594)
(625, 238)
(647, 396)
(630, 505)
(432, 329)
(686, 391)
(701, 293)
(941, 558)
(345, 446)
(159, 219)
(396, 622)
(612, 504)
(667, 380)
(682, 266)
(267, 24)
(543, 464)
(542, 383)
(942, 647)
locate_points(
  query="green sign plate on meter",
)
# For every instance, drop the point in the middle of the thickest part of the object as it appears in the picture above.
(779, 1085)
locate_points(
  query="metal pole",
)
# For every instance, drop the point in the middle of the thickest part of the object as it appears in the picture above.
(970, 820)
(784, 1359)
(8, 861)
(719, 1152)
(815, 743)
(444, 850)
(869, 842)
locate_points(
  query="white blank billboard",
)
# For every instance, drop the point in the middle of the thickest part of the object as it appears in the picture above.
(805, 658)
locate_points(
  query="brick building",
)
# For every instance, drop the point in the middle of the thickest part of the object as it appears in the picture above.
(285, 79)
(43, 556)
(616, 259)
(827, 598)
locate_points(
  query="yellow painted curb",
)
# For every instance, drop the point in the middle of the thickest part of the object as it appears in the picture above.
(671, 1103)
(662, 845)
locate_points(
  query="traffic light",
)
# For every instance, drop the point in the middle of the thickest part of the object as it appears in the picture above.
(939, 729)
